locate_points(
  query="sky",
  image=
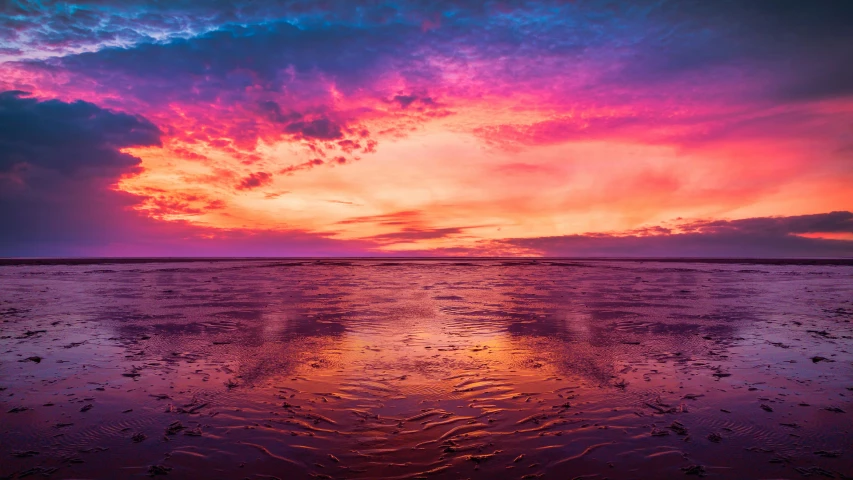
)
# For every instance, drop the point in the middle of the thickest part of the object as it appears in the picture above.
(426, 128)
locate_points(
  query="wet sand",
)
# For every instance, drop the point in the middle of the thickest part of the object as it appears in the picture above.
(426, 369)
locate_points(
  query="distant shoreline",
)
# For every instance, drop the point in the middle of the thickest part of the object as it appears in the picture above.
(556, 261)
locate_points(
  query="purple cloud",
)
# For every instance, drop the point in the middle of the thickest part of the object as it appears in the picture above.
(320, 129)
(255, 180)
(749, 237)
(68, 137)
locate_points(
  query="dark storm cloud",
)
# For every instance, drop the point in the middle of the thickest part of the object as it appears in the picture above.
(68, 137)
(57, 163)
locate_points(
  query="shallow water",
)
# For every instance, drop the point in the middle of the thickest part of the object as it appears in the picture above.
(433, 369)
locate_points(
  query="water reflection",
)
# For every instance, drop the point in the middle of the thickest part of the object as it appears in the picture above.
(372, 369)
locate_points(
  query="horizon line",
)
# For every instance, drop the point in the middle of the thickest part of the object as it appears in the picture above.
(12, 261)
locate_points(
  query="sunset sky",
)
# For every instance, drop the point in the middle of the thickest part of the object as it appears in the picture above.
(499, 128)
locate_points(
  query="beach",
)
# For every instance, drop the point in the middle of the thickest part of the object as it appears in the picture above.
(372, 368)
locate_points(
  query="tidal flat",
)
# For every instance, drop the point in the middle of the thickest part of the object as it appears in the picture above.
(441, 369)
